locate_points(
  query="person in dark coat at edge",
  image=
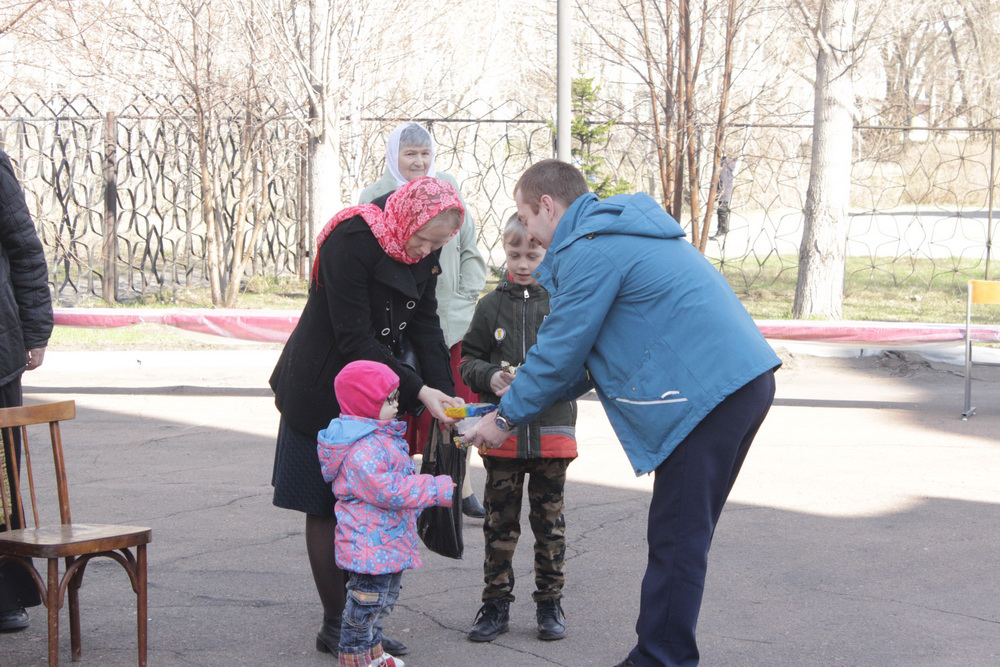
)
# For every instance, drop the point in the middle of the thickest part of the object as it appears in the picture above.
(372, 293)
(682, 370)
(24, 334)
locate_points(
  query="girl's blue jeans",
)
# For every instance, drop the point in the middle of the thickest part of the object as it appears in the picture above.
(370, 599)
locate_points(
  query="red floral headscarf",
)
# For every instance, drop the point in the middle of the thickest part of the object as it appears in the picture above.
(407, 210)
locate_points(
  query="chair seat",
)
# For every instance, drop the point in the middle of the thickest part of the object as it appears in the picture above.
(73, 539)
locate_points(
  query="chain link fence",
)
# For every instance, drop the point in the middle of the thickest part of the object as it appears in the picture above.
(919, 195)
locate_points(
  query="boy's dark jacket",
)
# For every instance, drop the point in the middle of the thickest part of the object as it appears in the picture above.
(503, 328)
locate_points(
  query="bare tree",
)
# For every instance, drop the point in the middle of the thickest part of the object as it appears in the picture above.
(12, 13)
(682, 53)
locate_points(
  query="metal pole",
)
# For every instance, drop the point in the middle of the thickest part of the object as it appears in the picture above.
(564, 79)
(989, 201)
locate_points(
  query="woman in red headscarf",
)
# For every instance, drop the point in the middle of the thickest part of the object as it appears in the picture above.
(373, 285)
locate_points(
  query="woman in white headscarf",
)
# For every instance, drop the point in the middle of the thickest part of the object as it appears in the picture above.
(409, 154)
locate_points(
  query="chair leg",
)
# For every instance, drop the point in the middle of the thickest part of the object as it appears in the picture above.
(141, 602)
(52, 604)
(74, 611)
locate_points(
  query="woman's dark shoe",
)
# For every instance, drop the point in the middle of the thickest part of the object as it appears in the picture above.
(472, 509)
(328, 638)
(393, 647)
(13, 620)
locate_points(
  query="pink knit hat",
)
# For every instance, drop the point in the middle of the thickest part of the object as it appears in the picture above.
(362, 387)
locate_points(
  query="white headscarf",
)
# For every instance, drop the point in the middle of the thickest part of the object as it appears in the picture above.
(392, 152)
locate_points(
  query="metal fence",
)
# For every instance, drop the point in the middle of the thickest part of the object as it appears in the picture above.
(919, 196)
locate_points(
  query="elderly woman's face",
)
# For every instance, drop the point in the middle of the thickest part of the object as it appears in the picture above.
(414, 161)
(431, 236)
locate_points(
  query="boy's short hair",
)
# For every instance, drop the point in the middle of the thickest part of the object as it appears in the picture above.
(555, 178)
(514, 230)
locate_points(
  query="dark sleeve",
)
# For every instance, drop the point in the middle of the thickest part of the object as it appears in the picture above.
(28, 273)
(346, 267)
(476, 367)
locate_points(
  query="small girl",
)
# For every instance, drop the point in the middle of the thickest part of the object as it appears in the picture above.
(364, 453)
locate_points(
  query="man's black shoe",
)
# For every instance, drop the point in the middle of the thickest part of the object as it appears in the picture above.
(551, 620)
(13, 620)
(491, 621)
(393, 647)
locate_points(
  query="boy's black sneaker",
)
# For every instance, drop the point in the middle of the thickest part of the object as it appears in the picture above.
(491, 621)
(551, 620)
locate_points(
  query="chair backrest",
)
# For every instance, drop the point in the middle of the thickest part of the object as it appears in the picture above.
(984, 291)
(16, 420)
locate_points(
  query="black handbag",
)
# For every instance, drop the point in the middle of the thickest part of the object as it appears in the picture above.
(440, 528)
(405, 353)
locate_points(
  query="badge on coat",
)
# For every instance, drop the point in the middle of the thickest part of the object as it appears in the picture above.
(499, 334)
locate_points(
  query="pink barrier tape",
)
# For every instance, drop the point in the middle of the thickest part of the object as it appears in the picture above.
(875, 334)
(267, 326)
(274, 326)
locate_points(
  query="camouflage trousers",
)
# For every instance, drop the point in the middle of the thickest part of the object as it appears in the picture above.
(502, 527)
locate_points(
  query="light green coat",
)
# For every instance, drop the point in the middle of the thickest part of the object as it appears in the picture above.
(463, 270)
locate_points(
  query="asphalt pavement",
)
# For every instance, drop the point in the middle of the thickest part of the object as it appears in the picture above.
(862, 530)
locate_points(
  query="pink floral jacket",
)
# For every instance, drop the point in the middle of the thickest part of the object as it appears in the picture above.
(379, 494)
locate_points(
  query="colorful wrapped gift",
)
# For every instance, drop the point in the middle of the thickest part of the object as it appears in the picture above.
(470, 410)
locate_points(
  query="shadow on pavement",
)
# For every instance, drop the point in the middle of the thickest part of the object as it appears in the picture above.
(861, 532)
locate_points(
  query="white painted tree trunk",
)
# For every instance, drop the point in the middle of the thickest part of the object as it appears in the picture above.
(324, 150)
(819, 292)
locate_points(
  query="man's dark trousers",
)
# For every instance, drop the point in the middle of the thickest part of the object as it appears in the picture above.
(689, 490)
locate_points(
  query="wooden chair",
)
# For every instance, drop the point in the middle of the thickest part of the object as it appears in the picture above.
(980, 292)
(77, 543)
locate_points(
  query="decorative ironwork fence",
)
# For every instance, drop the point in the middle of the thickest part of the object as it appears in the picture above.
(117, 196)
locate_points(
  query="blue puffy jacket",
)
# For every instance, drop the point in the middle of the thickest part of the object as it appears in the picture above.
(662, 334)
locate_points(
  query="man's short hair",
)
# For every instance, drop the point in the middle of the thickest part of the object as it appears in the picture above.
(555, 178)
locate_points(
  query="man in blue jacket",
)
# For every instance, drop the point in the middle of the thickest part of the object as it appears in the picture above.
(682, 370)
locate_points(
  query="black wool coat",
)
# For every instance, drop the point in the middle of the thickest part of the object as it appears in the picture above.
(25, 302)
(361, 303)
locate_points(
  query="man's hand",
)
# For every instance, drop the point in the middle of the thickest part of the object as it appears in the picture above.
(436, 401)
(484, 434)
(33, 358)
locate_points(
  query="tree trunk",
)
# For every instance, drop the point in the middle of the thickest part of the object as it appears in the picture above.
(324, 145)
(819, 292)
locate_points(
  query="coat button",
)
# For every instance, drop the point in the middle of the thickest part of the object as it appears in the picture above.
(385, 332)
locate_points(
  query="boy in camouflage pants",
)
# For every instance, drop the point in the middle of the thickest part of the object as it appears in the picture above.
(503, 329)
